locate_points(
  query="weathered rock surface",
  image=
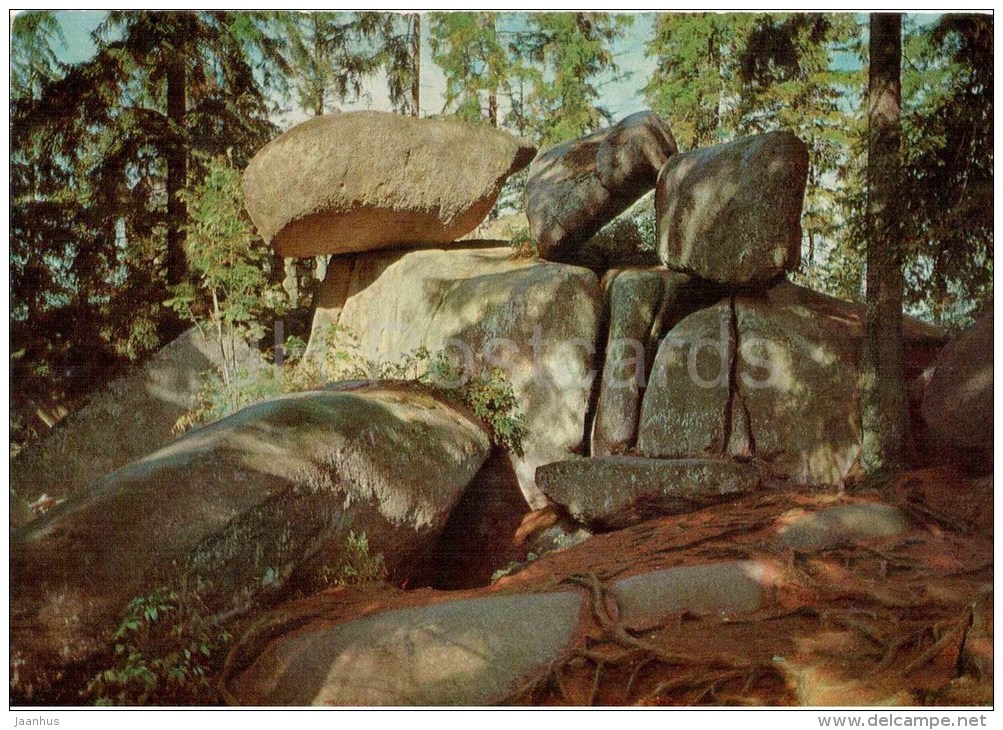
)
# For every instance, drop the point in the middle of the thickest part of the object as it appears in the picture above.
(774, 376)
(124, 421)
(731, 213)
(617, 491)
(621, 244)
(239, 508)
(642, 305)
(687, 404)
(843, 525)
(577, 187)
(348, 275)
(465, 652)
(958, 401)
(368, 180)
(537, 321)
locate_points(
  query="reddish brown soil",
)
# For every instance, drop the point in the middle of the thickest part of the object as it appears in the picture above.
(903, 620)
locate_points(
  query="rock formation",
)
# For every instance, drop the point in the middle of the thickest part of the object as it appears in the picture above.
(577, 187)
(369, 180)
(732, 213)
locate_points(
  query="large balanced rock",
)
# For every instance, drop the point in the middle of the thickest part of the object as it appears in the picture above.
(618, 491)
(473, 651)
(368, 180)
(958, 401)
(536, 321)
(240, 509)
(577, 187)
(732, 213)
(642, 305)
(775, 376)
(125, 420)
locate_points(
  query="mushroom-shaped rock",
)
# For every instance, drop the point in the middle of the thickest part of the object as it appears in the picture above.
(732, 213)
(577, 187)
(362, 181)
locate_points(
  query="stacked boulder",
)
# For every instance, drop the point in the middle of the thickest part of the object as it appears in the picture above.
(369, 188)
(371, 180)
(713, 356)
(577, 187)
(717, 377)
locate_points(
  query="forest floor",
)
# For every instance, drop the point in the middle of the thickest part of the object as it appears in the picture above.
(903, 620)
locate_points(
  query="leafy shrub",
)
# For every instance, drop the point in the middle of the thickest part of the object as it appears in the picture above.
(490, 396)
(523, 245)
(360, 568)
(162, 655)
(229, 287)
(488, 393)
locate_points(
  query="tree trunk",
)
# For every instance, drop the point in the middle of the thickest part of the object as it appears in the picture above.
(177, 171)
(884, 398)
(493, 108)
(320, 59)
(416, 69)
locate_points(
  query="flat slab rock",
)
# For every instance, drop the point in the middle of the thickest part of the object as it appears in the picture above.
(734, 586)
(844, 525)
(466, 652)
(612, 492)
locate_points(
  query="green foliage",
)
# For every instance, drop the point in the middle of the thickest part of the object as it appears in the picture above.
(33, 59)
(488, 393)
(327, 65)
(163, 653)
(360, 568)
(570, 53)
(478, 64)
(947, 128)
(92, 144)
(394, 40)
(226, 259)
(523, 244)
(225, 256)
(691, 85)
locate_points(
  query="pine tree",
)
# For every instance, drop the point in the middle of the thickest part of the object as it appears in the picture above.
(327, 65)
(395, 40)
(109, 144)
(883, 401)
(693, 85)
(570, 54)
(478, 68)
(947, 222)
